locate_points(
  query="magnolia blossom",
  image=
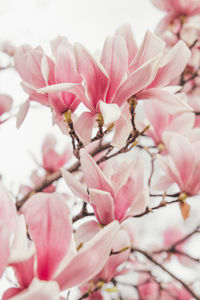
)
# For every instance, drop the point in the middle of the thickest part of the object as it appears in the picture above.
(177, 12)
(36, 70)
(115, 193)
(123, 72)
(161, 120)
(55, 257)
(120, 246)
(183, 165)
(52, 161)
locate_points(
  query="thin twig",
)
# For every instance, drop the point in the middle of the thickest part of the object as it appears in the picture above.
(56, 176)
(150, 258)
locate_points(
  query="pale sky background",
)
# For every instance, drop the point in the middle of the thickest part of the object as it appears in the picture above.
(36, 22)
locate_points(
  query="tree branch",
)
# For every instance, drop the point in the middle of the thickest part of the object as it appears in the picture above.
(150, 258)
(56, 176)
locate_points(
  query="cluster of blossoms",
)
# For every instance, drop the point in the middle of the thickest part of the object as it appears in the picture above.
(129, 102)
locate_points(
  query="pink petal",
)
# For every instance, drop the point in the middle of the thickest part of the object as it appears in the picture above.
(170, 101)
(182, 155)
(90, 259)
(175, 63)
(48, 144)
(20, 61)
(65, 68)
(60, 87)
(40, 290)
(151, 47)
(95, 179)
(115, 61)
(7, 209)
(130, 191)
(22, 254)
(104, 205)
(24, 271)
(140, 203)
(75, 185)
(5, 103)
(86, 232)
(126, 32)
(163, 183)
(182, 123)
(163, 24)
(5, 246)
(121, 241)
(171, 171)
(138, 80)
(84, 126)
(156, 117)
(124, 199)
(123, 128)
(75, 88)
(11, 292)
(93, 74)
(163, 5)
(24, 108)
(45, 69)
(56, 42)
(110, 112)
(193, 185)
(46, 215)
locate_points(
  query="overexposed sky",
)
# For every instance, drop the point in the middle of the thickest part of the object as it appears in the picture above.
(86, 21)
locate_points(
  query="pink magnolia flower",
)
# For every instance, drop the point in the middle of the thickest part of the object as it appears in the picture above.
(36, 70)
(161, 120)
(110, 270)
(115, 193)
(5, 105)
(123, 73)
(36, 180)
(177, 13)
(52, 161)
(182, 165)
(56, 258)
(65, 71)
(178, 7)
